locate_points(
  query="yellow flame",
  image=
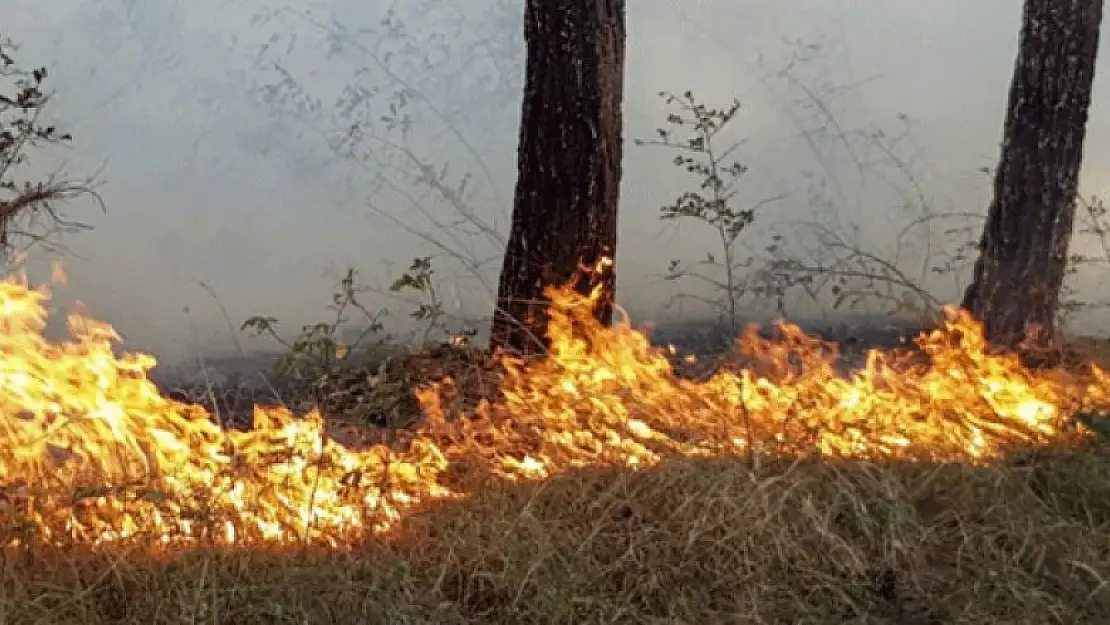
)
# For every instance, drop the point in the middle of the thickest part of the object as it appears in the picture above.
(92, 452)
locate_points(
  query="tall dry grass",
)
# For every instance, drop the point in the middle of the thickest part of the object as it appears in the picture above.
(1025, 541)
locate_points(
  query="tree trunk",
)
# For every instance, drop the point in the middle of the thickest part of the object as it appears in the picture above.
(1024, 248)
(568, 165)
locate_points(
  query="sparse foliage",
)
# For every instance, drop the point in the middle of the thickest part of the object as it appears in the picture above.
(321, 357)
(316, 353)
(713, 202)
(837, 262)
(30, 210)
(430, 310)
(395, 99)
(1092, 229)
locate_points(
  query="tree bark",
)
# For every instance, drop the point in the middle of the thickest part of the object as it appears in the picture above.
(1024, 247)
(568, 165)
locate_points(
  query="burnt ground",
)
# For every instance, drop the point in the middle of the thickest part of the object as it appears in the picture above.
(380, 388)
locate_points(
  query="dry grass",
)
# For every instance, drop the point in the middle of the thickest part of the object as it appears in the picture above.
(689, 542)
(1026, 541)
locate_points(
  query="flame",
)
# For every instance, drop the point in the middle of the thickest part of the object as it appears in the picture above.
(93, 453)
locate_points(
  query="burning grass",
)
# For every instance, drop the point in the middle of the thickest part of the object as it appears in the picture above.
(598, 486)
(95, 454)
(689, 541)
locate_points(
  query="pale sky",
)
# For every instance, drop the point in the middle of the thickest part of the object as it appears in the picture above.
(209, 181)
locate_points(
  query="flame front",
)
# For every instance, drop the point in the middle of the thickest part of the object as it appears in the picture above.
(92, 452)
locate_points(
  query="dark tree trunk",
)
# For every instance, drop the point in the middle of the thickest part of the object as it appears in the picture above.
(568, 164)
(1024, 248)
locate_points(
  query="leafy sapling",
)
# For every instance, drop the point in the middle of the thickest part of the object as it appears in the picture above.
(318, 352)
(712, 202)
(420, 277)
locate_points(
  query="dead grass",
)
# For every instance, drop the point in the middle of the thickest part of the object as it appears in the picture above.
(1027, 541)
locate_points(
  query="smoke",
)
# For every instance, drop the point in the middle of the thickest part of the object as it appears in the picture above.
(248, 158)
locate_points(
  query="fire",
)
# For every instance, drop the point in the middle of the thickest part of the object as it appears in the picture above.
(93, 453)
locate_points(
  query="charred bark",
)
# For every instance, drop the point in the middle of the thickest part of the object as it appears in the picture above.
(568, 165)
(1024, 248)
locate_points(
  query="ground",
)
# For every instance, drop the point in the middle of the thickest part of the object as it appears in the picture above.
(753, 540)
(689, 542)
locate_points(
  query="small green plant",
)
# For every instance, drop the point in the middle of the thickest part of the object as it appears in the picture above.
(316, 353)
(420, 278)
(712, 203)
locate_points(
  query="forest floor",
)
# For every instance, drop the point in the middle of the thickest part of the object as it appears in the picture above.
(1024, 540)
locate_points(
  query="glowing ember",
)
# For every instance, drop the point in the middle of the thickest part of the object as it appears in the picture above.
(93, 452)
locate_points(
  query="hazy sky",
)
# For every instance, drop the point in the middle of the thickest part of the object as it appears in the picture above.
(217, 172)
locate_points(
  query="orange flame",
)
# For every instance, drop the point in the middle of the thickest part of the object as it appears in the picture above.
(93, 453)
